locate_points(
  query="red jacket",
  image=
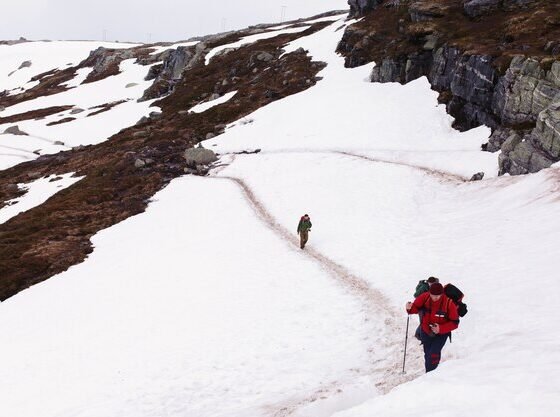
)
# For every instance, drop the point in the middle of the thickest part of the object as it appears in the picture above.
(442, 312)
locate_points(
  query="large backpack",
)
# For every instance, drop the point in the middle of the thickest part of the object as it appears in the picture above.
(456, 295)
(422, 287)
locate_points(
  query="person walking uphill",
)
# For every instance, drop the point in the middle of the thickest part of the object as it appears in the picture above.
(303, 228)
(439, 319)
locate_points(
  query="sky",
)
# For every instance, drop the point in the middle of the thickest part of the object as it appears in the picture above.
(146, 20)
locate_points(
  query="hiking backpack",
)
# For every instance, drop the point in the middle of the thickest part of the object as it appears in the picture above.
(456, 295)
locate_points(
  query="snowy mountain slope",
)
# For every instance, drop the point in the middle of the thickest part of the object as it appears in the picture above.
(80, 124)
(205, 306)
(43, 57)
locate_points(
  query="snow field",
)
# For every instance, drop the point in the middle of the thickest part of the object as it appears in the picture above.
(214, 331)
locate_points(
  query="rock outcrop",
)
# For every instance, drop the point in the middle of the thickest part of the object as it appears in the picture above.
(509, 81)
(167, 74)
(359, 7)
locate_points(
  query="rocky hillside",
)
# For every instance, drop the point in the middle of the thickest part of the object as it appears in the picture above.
(124, 172)
(494, 62)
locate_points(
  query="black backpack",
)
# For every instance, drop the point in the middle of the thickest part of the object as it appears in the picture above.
(456, 295)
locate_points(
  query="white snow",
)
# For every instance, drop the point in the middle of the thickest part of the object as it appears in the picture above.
(37, 192)
(205, 306)
(202, 107)
(81, 75)
(160, 49)
(252, 39)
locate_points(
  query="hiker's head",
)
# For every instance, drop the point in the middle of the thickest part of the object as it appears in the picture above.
(432, 280)
(306, 216)
(436, 290)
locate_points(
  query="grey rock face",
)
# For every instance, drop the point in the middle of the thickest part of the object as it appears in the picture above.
(523, 156)
(443, 68)
(402, 71)
(547, 132)
(475, 8)
(359, 7)
(497, 139)
(171, 71)
(76, 110)
(102, 58)
(513, 99)
(199, 156)
(474, 79)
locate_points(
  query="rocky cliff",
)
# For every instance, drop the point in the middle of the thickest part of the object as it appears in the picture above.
(494, 62)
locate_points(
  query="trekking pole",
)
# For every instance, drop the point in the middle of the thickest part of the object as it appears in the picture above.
(405, 342)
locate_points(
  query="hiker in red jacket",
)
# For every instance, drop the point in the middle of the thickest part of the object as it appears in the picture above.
(439, 319)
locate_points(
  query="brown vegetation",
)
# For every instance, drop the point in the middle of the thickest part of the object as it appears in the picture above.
(34, 114)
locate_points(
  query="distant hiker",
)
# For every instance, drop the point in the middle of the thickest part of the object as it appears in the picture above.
(303, 228)
(422, 287)
(439, 319)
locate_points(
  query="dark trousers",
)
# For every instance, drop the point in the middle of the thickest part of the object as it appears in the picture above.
(432, 349)
(303, 236)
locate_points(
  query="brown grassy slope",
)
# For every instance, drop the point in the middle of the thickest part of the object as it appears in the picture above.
(389, 32)
(48, 239)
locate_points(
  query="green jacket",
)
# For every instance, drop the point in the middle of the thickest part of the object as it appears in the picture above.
(304, 225)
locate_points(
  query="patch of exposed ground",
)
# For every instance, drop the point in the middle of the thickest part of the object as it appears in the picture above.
(61, 121)
(105, 107)
(50, 238)
(34, 114)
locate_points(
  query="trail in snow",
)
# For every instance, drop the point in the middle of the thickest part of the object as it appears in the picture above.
(385, 372)
(432, 172)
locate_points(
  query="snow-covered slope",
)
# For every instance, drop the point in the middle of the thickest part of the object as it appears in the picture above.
(84, 125)
(205, 305)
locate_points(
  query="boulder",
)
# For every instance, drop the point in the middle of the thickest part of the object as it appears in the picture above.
(477, 177)
(475, 8)
(25, 64)
(265, 56)
(199, 156)
(14, 130)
